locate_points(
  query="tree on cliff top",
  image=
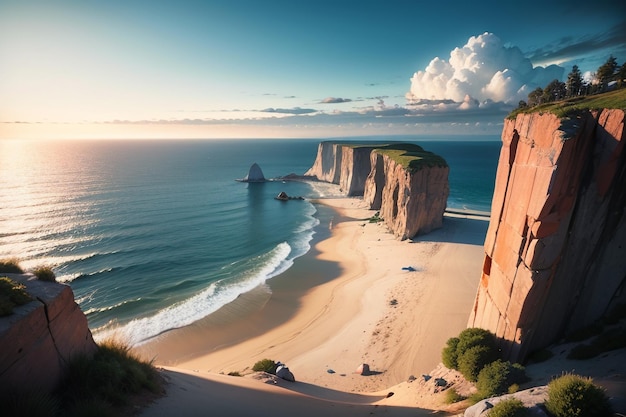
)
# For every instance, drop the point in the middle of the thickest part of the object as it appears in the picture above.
(574, 82)
(607, 72)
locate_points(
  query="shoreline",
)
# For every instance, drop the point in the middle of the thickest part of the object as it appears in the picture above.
(366, 314)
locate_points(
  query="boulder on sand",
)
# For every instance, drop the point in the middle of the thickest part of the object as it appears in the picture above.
(284, 373)
(363, 369)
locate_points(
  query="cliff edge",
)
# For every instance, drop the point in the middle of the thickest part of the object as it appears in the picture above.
(39, 338)
(406, 183)
(554, 250)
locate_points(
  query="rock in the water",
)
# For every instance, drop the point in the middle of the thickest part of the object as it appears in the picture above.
(255, 174)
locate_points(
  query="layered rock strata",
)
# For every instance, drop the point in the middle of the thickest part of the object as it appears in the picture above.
(411, 196)
(39, 338)
(554, 250)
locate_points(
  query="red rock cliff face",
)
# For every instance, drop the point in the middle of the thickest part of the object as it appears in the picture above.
(39, 338)
(554, 251)
(410, 203)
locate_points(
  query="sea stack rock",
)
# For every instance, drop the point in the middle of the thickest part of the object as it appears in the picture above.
(39, 339)
(255, 174)
(554, 250)
(406, 183)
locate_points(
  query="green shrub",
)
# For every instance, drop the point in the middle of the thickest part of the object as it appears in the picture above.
(10, 266)
(44, 273)
(448, 354)
(511, 407)
(451, 396)
(469, 338)
(575, 396)
(497, 377)
(475, 336)
(265, 365)
(473, 360)
(12, 295)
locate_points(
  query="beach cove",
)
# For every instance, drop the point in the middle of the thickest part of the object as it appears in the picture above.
(355, 304)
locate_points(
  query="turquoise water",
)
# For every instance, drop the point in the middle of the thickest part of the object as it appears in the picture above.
(155, 235)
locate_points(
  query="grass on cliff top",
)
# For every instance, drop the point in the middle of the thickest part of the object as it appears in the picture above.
(12, 294)
(412, 157)
(565, 108)
(409, 155)
(10, 266)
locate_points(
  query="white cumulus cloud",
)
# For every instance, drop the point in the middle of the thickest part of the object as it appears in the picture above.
(484, 69)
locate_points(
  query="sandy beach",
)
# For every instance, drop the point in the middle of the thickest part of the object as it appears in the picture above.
(366, 306)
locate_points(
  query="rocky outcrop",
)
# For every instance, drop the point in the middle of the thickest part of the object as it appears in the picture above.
(39, 338)
(532, 399)
(255, 174)
(347, 165)
(411, 198)
(554, 250)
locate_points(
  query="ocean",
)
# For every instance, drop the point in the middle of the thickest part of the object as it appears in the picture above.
(156, 235)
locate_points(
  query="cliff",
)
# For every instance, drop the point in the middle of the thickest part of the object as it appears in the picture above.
(40, 337)
(408, 185)
(554, 250)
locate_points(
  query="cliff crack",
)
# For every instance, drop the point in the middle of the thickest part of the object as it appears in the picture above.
(54, 342)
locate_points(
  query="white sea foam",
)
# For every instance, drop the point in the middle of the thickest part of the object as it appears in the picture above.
(188, 311)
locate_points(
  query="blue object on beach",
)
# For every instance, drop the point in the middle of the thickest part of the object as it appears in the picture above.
(330, 371)
(408, 268)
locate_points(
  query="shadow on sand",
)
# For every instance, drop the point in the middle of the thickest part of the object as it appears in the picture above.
(221, 395)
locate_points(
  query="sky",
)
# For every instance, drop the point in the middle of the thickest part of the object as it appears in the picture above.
(274, 68)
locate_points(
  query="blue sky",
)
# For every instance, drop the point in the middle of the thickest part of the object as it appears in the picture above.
(234, 68)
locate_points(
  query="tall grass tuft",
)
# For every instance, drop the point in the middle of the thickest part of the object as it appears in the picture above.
(44, 273)
(10, 266)
(12, 295)
(112, 376)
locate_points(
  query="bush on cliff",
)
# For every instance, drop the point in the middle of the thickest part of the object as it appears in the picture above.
(473, 360)
(575, 396)
(449, 355)
(497, 377)
(470, 352)
(12, 295)
(511, 407)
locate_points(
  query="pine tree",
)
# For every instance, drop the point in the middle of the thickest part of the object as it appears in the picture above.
(554, 91)
(621, 76)
(606, 72)
(535, 97)
(574, 82)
